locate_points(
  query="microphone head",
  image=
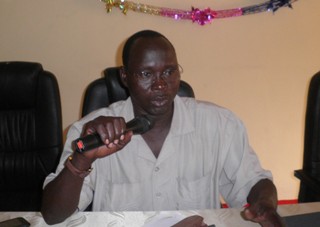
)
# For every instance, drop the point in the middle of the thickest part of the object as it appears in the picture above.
(140, 124)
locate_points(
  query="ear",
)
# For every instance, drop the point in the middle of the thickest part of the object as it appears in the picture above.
(123, 76)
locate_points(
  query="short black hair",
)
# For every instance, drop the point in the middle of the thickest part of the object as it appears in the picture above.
(141, 34)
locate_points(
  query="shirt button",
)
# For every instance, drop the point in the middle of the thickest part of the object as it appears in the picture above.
(156, 169)
(158, 194)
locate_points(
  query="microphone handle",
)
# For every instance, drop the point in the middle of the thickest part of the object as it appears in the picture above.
(87, 143)
(138, 125)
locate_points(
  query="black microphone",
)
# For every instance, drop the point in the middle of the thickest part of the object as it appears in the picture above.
(138, 125)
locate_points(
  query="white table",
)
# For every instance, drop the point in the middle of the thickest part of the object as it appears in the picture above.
(220, 217)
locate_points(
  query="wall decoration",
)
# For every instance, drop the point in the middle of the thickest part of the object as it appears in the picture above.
(197, 15)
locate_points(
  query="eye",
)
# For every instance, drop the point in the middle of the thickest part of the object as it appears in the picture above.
(169, 72)
(145, 74)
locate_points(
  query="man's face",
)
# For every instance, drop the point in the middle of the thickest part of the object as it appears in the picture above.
(152, 76)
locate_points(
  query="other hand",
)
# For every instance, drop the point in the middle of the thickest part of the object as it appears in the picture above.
(264, 214)
(192, 221)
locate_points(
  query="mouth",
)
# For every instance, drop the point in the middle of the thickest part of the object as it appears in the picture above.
(160, 101)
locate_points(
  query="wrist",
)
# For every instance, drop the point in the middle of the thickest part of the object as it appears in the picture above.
(263, 192)
(80, 161)
(82, 173)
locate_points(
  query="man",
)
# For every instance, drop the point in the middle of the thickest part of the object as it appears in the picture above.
(194, 153)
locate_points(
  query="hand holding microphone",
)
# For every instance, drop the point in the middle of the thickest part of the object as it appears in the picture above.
(138, 125)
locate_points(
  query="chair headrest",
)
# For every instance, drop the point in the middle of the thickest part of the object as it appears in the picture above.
(18, 84)
(116, 90)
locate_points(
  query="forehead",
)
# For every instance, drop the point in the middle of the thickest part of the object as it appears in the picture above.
(151, 50)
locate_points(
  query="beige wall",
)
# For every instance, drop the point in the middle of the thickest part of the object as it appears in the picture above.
(259, 65)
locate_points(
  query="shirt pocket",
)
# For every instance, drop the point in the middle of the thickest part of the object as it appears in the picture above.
(194, 194)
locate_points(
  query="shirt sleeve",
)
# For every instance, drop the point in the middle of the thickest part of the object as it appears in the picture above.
(241, 168)
(86, 195)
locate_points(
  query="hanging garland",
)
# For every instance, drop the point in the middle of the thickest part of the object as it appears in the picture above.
(202, 17)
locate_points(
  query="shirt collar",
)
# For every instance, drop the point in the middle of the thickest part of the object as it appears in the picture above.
(127, 110)
(182, 122)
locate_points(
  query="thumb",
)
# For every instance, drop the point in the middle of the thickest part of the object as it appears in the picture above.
(247, 214)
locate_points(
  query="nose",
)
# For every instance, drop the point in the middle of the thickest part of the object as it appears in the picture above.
(158, 82)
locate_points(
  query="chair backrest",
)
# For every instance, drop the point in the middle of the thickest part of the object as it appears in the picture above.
(309, 175)
(30, 133)
(104, 91)
(311, 155)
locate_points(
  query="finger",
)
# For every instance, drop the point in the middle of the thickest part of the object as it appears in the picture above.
(247, 214)
(119, 128)
(106, 150)
(112, 148)
(266, 217)
(87, 130)
(272, 219)
(125, 138)
(109, 132)
(115, 129)
(192, 221)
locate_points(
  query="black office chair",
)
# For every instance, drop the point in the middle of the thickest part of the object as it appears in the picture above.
(309, 175)
(104, 91)
(30, 133)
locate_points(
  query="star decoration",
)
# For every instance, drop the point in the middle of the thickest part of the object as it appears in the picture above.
(202, 16)
(109, 5)
(274, 5)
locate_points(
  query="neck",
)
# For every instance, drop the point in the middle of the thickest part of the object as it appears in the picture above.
(156, 136)
(160, 121)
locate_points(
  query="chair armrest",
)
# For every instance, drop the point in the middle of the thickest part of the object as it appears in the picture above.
(308, 180)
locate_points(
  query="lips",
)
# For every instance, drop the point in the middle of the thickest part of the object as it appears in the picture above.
(160, 101)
